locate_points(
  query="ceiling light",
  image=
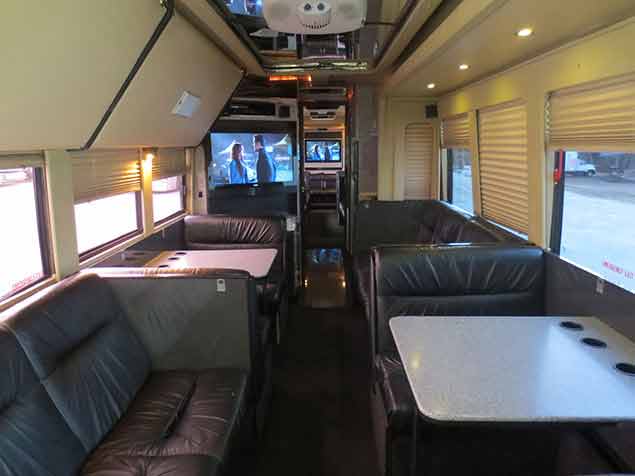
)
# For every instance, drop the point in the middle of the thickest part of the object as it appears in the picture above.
(464, 66)
(524, 33)
(431, 85)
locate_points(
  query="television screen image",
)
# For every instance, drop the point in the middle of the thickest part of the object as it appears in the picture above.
(240, 158)
(323, 151)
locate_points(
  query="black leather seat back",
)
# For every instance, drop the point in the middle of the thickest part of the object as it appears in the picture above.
(86, 354)
(454, 280)
(214, 232)
(34, 439)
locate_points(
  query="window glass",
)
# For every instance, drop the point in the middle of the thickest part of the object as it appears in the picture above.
(167, 197)
(460, 169)
(22, 263)
(102, 221)
(598, 229)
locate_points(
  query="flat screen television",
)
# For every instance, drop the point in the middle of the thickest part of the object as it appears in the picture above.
(323, 151)
(235, 159)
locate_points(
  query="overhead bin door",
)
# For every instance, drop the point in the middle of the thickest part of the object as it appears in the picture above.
(183, 59)
(596, 117)
(502, 132)
(62, 65)
(419, 176)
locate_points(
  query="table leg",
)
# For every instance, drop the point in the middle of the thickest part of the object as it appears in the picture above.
(413, 449)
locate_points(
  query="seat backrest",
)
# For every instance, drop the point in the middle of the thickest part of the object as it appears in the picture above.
(453, 280)
(85, 353)
(34, 438)
(213, 232)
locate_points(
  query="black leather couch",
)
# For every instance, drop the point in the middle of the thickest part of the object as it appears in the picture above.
(414, 222)
(446, 280)
(80, 393)
(213, 232)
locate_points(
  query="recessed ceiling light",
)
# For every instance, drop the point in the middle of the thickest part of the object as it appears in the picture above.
(431, 85)
(524, 32)
(464, 66)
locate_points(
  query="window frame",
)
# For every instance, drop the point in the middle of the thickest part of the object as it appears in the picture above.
(40, 194)
(183, 204)
(91, 253)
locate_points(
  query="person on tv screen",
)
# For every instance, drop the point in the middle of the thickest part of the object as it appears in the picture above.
(265, 166)
(315, 153)
(237, 167)
(327, 153)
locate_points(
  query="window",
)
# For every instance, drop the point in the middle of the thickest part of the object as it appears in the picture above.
(592, 129)
(23, 239)
(597, 210)
(167, 197)
(105, 221)
(460, 178)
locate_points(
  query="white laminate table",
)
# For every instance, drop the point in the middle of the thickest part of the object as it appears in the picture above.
(516, 369)
(256, 262)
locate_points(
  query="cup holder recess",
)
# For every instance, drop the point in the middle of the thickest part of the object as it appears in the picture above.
(594, 342)
(572, 326)
(173, 258)
(626, 368)
(180, 253)
(164, 266)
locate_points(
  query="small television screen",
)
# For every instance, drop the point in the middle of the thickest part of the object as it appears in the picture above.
(246, 157)
(325, 151)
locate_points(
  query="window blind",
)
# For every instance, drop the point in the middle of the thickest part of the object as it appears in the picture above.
(100, 174)
(503, 165)
(19, 161)
(168, 163)
(455, 132)
(419, 144)
(595, 117)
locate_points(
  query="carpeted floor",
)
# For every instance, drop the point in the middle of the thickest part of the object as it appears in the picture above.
(320, 417)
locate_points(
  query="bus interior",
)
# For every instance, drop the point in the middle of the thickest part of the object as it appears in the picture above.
(317, 237)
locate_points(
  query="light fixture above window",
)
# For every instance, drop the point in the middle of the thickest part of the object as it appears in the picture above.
(431, 85)
(464, 66)
(524, 32)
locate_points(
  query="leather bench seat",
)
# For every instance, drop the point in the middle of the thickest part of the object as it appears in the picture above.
(395, 391)
(413, 222)
(176, 414)
(78, 395)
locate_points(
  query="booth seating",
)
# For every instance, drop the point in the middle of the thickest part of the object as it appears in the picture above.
(214, 232)
(445, 280)
(93, 385)
(414, 222)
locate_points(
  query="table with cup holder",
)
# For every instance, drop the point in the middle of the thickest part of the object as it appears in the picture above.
(256, 262)
(516, 370)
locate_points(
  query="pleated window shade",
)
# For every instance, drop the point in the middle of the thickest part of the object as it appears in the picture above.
(419, 146)
(19, 161)
(168, 163)
(100, 174)
(455, 132)
(502, 132)
(596, 117)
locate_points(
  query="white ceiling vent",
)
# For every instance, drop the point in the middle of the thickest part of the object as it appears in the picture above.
(187, 105)
(314, 17)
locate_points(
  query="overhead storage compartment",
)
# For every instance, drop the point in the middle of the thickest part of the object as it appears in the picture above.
(183, 60)
(62, 65)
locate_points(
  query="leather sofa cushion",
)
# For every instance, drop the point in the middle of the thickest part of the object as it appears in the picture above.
(85, 353)
(34, 439)
(455, 280)
(176, 414)
(153, 466)
(399, 403)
